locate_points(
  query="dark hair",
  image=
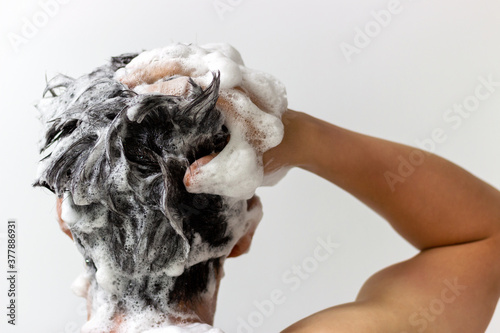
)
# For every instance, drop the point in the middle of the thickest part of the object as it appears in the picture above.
(118, 158)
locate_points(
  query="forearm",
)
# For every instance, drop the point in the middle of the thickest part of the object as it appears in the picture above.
(437, 204)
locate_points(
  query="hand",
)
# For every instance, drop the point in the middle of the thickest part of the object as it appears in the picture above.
(242, 110)
(291, 151)
(148, 79)
(152, 72)
(278, 160)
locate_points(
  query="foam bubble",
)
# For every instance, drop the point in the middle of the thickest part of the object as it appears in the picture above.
(252, 102)
(81, 285)
(68, 214)
(191, 328)
(104, 277)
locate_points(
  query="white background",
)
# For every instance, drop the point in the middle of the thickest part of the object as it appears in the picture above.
(427, 59)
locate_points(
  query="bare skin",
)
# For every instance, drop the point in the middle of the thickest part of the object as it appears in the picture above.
(452, 217)
(444, 211)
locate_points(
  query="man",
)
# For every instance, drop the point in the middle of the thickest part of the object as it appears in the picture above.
(448, 214)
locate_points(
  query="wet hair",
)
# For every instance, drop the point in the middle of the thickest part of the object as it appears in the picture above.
(118, 159)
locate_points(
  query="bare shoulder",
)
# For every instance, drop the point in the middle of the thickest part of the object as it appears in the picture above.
(346, 318)
(445, 289)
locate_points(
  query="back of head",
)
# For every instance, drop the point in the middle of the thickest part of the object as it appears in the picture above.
(117, 158)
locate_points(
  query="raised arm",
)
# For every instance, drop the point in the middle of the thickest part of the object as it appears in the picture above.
(453, 285)
(430, 201)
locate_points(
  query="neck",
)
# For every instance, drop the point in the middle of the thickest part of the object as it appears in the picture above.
(202, 310)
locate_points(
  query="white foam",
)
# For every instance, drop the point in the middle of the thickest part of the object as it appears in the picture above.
(81, 285)
(191, 328)
(68, 214)
(105, 278)
(237, 171)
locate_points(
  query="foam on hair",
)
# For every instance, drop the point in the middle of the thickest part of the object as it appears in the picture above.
(254, 102)
(117, 157)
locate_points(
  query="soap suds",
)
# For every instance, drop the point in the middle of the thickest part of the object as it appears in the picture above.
(191, 328)
(81, 285)
(117, 154)
(238, 170)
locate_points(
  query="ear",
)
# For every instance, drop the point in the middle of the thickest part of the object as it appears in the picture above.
(62, 224)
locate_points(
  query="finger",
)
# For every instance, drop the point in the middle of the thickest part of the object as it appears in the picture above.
(228, 105)
(154, 71)
(176, 87)
(260, 103)
(194, 168)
